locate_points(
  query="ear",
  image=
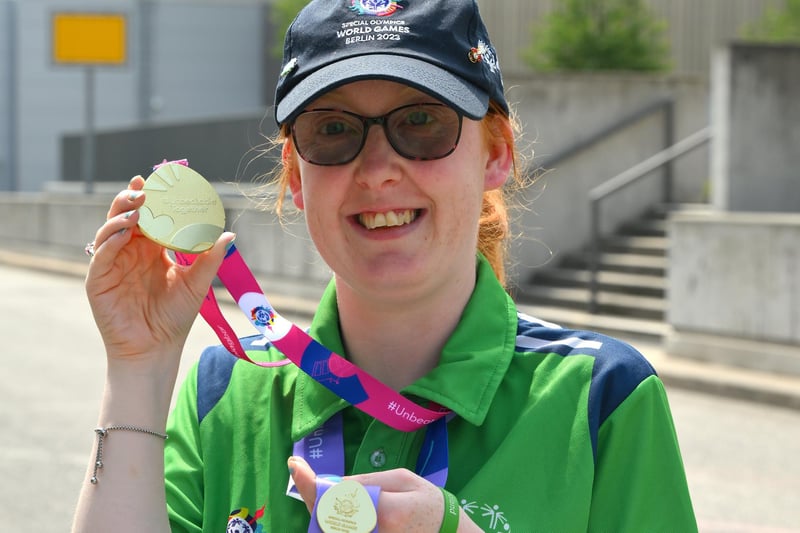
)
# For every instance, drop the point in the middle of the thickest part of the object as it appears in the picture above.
(289, 159)
(501, 155)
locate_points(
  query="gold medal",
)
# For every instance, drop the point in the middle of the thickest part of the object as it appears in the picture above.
(346, 508)
(182, 211)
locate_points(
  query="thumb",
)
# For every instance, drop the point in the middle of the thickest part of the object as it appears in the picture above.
(305, 480)
(205, 266)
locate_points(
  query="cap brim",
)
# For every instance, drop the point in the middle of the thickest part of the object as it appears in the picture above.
(439, 83)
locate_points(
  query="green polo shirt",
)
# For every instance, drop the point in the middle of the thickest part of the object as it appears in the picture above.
(555, 430)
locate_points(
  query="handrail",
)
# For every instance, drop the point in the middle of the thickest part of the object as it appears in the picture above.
(665, 104)
(622, 180)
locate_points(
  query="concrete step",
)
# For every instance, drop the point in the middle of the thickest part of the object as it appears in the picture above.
(633, 263)
(647, 227)
(663, 210)
(629, 328)
(638, 244)
(629, 305)
(631, 278)
(610, 281)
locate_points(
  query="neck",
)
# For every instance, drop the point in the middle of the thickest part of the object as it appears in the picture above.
(399, 342)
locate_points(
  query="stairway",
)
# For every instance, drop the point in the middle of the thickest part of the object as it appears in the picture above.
(631, 282)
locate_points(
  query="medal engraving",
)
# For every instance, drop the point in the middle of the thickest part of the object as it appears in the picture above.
(182, 211)
(346, 508)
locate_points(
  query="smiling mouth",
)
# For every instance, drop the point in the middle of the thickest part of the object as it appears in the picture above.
(388, 219)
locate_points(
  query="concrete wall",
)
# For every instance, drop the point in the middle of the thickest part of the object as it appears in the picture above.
(60, 224)
(756, 115)
(734, 288)
(734, 271)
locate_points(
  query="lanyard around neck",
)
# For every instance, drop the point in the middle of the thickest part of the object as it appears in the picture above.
(323, 450)
(333, 371)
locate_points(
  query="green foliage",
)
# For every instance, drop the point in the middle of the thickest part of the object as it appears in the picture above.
(777, 25)
(599, 35)
(282, 14)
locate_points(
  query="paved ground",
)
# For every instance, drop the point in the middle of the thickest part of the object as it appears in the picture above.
(742, 457)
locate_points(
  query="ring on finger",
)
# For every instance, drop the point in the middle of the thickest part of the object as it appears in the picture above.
(89, 249)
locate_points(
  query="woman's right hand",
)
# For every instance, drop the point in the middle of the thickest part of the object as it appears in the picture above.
(144, 303)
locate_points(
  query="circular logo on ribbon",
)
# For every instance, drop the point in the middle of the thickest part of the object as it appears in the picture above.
(263, 317)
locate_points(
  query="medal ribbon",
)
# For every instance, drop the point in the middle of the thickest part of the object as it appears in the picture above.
(333, 371)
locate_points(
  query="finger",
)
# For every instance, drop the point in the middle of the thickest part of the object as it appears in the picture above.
(119, 224)
(136, 183)
(103, 257)
(127, 200)
(305, 480)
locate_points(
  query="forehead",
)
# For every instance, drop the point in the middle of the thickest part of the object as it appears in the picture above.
(371, 96)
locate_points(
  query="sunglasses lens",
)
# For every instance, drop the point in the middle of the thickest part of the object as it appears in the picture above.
(328, 137)
(419, 132)
(424, 132)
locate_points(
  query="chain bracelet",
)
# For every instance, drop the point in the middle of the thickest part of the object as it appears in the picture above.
(103, 432)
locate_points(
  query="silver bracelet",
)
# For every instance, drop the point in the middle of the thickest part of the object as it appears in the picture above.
(103, 432)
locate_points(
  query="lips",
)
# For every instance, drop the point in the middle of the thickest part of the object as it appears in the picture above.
(388, 219)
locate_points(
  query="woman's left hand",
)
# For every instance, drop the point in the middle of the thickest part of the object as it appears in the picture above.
(408, 502)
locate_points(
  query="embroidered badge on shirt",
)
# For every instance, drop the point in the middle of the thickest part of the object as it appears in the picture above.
(240, 521)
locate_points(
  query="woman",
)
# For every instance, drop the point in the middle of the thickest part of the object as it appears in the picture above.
(397, 142)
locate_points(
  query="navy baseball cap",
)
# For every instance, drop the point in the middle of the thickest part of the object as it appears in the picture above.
(440, 47)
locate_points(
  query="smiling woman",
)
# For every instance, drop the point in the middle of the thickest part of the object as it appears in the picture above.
(448, 409)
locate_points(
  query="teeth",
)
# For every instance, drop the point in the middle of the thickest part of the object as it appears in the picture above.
(388, 219)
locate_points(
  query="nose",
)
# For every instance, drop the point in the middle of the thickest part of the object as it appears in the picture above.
(377, 160)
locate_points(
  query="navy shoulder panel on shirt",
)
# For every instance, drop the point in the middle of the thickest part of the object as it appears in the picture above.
(618, 367)
(214, 374)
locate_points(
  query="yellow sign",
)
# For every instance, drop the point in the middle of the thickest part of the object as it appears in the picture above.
(89, 38)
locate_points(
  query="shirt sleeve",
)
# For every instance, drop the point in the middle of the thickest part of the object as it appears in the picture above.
(640, 483)
(183, 463)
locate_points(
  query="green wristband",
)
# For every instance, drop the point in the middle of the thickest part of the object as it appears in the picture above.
(451, 513)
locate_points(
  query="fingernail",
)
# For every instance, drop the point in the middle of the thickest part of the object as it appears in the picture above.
(290, 462)
(122, 231)
(134, 195)
(129, 214)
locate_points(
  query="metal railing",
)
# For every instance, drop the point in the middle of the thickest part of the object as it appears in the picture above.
(664, 158)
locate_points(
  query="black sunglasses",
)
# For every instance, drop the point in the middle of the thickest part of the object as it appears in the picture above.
(420, 132)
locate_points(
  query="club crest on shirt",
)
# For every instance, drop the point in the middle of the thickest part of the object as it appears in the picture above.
(240, 521)
(379, 8)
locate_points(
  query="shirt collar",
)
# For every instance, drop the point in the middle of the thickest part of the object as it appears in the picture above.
(473, 363)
